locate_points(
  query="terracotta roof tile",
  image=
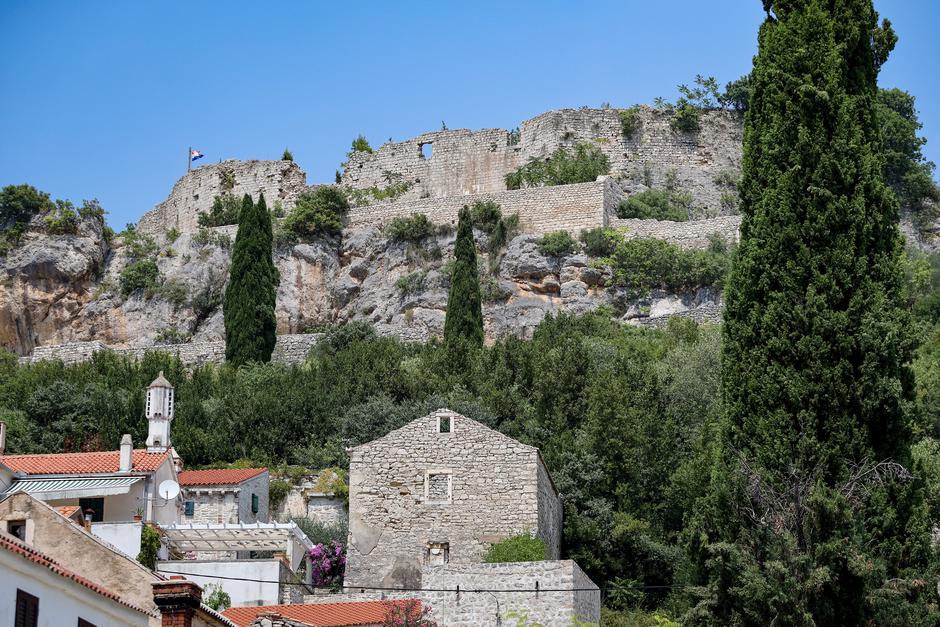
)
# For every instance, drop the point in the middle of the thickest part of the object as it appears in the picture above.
(317, 614)
(77, 463)
(16, 546)
(67, 510)
(227, 476)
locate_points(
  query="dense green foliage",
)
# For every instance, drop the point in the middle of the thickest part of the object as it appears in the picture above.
(809, 519)
(629, 121)
(556, 244)
(252, 288)
(562, 168)
(141, 272)
(20, 203)
(149, 547)
(600, 241)
(287, 155)
(413, 228)
(643, 264)
(521, 548)
(463, 325)
(318, 212)
(657, 204)
(360, 144)
(225, 209)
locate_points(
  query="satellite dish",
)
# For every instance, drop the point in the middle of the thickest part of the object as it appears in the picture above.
(169, 489)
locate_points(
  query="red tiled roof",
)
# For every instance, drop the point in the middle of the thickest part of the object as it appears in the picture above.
(77, 463)
(227, 476)
(67, 510)
(317, 614)
(14, 545)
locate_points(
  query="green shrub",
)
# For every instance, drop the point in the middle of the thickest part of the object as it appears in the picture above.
(172, 234)
(729, 202)
(600, 242)
(217, 598)
(91, 209)
(360, 144)
(208, 237)
(318, 212)
(629, 121)
(224, 211)
(727, 178)
(287, 155)
(62, 219)
(521, 548)
(413, 228)
(485, 215)
(277, 492)
(646, 264)
(173, 292)
(562, 168)
(171, 335)
(556, 244)
(685, 117)
(412, 283)
(139, 275)
(492, 291)
(137, 245)
(19, 203)
(149, 547)
(656, 204)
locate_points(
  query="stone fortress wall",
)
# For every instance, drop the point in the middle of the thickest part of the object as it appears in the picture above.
(193, 194)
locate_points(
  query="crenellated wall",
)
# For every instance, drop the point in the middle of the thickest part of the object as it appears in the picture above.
(193, 194)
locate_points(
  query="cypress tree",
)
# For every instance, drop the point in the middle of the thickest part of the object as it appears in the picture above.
(250, 325)
(815, 382)
(464, 322)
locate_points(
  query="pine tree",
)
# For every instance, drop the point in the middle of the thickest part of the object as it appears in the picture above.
(464, 322)
(250, 296)
(815, 380)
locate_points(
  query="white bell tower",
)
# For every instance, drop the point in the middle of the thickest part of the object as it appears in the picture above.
(159, 414)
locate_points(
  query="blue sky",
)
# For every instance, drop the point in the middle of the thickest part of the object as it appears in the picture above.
(102, 99)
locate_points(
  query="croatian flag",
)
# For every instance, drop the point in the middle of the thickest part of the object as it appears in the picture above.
(195, 154)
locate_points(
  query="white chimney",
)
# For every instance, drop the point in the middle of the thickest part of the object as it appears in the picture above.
(127, 451)
(3, 437)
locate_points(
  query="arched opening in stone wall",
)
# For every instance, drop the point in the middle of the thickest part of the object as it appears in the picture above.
(426, 150)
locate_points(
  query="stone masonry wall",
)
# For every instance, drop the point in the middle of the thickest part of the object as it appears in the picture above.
(493, 486)
(290, 349)
(193, 194)
(550, 512)
(541, 209)
(464, 162)
(691, 234)
(256, 485)
(212, 505)
(565, 594)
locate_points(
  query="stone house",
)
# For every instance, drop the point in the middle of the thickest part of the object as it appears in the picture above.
(439, 491)
(235, 495)
(320, 497)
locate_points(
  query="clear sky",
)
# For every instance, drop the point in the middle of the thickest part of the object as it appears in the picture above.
(101, 99)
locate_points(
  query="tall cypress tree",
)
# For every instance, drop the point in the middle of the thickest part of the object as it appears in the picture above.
(464, 322)
(250, 325)
(815, 380)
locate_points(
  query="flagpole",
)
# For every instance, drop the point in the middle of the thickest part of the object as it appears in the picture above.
(189, 160)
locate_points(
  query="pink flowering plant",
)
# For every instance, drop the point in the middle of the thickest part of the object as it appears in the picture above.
(327, 563)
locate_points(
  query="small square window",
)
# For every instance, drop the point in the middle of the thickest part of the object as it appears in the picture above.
(437, 553)
(445, 424)
(17, 529)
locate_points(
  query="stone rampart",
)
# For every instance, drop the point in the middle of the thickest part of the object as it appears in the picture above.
(541, 209)
(691, 234)
(290, 349)
(193, 194)
(453, 163)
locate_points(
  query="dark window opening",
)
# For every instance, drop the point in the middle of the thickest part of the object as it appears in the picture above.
(93, 506)
(254, 503)
(444, 424)
(189, 508)
(27, 610)
(84, 623)
(17, 529)
(426, 150)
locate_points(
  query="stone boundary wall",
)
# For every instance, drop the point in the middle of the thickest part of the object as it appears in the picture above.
(565, 593)
(193, 194)
(290, 349)
(541, 209)
(691, 234)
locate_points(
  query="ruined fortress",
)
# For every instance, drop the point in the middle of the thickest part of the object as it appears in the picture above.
(437, 173)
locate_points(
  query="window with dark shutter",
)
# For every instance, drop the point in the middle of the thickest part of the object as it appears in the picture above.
(190, 508)
(27, 610)
(254, 503)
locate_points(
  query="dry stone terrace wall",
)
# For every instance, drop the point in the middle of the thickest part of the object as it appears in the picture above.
(193, 193)
(691, 234)
(541, 209)
(290, 349)
(493, 486)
